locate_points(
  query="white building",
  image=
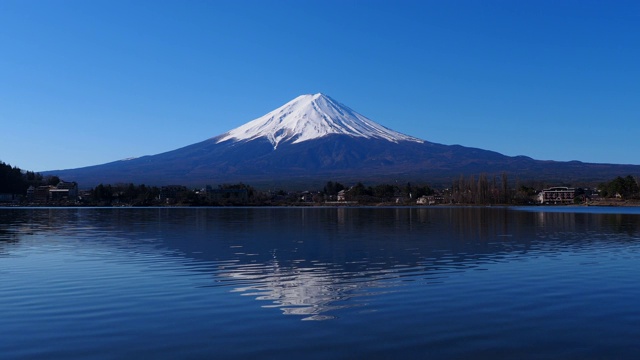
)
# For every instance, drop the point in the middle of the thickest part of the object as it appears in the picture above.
(557, 195)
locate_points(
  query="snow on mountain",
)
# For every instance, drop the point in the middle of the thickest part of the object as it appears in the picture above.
(310, 117)
(361, 150)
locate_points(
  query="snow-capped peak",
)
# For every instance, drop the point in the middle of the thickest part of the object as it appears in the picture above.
(310, 117)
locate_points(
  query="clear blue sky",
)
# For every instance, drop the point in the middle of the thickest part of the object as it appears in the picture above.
(88, 82)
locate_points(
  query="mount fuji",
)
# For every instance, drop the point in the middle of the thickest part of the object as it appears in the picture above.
(313, 139)
(310, 117)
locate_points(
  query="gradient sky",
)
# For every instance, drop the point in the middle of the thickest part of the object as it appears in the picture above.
(88, 82)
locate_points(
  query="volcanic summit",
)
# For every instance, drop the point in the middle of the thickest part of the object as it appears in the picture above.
(313, 139)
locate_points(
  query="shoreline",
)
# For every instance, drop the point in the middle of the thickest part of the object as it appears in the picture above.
(334, 204)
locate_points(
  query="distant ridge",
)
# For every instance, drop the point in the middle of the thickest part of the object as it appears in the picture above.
(313, 139)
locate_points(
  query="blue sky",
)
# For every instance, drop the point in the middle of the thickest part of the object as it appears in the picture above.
(89, 82)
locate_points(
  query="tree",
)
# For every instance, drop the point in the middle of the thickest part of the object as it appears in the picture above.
(422, 191)
(359, 192)
(483, 190)
(332, 188)
(53, 180)
(505, 188)
(15, 181)
(384, 191)
(102, 194)
(626, 187)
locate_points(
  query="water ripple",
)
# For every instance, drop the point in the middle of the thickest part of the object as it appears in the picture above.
(197, 282)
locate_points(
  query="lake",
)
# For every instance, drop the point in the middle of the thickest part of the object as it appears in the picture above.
(320, 283)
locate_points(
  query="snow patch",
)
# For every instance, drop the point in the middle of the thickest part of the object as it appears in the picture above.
(310, 117)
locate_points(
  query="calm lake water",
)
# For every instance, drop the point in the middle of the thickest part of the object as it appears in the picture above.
(320, 283)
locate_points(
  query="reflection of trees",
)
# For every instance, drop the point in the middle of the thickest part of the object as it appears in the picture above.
(314, 261)
(7, 238)
(577, 226)
(361, 250)
(622, 223)
(12, 225)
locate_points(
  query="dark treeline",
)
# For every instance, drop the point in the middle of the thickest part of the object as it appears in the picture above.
(625, 188)
(479, 189)
(491, 190)
(142, 195)
(130, 194)
(14, 180)
(375, 194)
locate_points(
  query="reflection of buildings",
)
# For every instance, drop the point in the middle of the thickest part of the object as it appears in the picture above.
(327, 259)
(551, 222)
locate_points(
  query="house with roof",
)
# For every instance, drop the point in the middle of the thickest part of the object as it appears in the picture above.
(557, 195)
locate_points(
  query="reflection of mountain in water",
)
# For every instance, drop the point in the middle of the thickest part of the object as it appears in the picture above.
(313, 262)
(311, 291)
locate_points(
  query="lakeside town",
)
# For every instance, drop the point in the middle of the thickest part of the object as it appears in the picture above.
(620, 192)
(26, 188)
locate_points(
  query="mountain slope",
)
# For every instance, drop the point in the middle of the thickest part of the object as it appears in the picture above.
(313, 139)
(310, 117)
